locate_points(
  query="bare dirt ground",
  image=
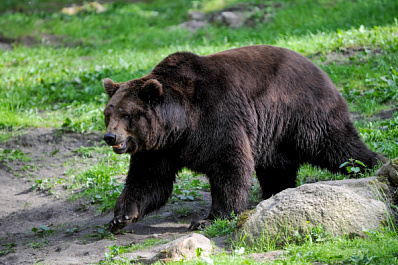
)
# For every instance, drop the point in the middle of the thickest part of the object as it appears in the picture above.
(66, 232)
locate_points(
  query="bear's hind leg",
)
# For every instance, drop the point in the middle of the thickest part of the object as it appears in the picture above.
(230, 182)
(342, 146)
(230, 170)
(229, 194)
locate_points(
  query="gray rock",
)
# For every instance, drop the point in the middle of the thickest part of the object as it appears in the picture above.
(230, 19)
(193, 25)
(199, 16)
(390, 170)
(5, 46)
(370, 188)
(340, 207)
(183, 248)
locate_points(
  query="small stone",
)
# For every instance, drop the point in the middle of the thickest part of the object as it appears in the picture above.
(193, 25)
(5, 46)
(183, 248)
(231, 19)
(199, 16)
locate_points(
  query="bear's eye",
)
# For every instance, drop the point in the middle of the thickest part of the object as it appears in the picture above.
(125, 116)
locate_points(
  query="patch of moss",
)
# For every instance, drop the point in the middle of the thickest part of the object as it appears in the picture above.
(243, 217)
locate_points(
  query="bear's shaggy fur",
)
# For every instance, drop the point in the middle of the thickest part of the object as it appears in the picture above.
(256, 109)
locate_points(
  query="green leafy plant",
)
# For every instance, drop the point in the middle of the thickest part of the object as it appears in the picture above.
(72, 231)
(187, 189)
(180, 193)
(41, 184)
(101, 232)
(315, 234)
(13, 154)
(359, 259)
(39, 244)
(114, 251)
(353, 166)
(9, 248)
(42, 231)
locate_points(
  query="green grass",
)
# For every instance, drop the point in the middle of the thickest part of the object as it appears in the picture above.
(116, 250)
(129, 39)
(187, 189)
(381, 136)
(7, 249)
(317, 246)
(379, 248)
(221, 227)
(100, 184)
(13, 154)
(309, 174)
(59, 86)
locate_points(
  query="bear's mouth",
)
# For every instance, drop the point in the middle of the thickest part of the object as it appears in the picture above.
(121, 147)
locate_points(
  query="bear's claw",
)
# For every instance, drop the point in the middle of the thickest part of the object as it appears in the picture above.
(124, 213)
(118, 223)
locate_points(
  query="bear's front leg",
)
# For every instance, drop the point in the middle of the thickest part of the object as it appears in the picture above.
(149, 184)
(125, 211)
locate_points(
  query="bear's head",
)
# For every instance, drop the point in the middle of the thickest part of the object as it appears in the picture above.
(138, 115)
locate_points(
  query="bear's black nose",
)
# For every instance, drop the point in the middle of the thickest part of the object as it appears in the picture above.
(110, 138)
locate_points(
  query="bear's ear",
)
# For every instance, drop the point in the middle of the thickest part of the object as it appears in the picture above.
(151, 91)
(110, 87)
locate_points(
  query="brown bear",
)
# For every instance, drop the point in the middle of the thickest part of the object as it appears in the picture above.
(256, 109)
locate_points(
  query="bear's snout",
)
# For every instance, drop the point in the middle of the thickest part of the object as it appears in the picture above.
(110, 138)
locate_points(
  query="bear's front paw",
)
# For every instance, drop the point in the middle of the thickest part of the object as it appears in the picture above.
(123, 215)
(118, 223)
